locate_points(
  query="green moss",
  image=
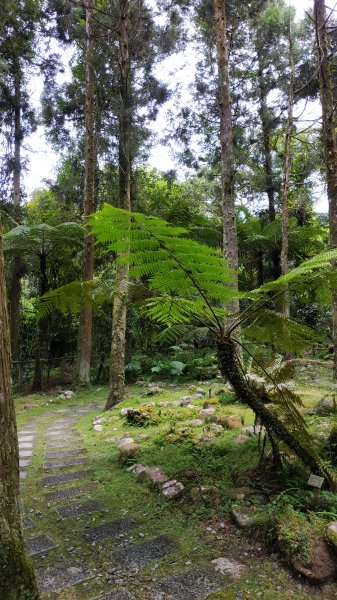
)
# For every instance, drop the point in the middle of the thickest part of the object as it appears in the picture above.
(17, 581)
(298, 535)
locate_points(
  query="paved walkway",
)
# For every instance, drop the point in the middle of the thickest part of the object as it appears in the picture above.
(78, 550)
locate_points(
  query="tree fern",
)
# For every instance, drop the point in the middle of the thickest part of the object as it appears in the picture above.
(191, 285)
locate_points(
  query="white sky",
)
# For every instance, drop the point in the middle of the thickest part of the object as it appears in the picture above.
(43, 160)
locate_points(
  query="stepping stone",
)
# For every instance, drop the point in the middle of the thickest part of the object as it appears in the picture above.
(76, 510)
(25, 445)
(62, 575)
(25, 453)
(65, 443)
(118, 594)
(111, 529)
(57, 479)
(26, 438)
(141, 554)
(23, 474)
(60, 433)
(62, 410)
(190, 585)
(27, 431)
(39, 545)
(72, 492)
(27, 522)
(57, 464)
(60, 427)
(24, 463)
(64, 453)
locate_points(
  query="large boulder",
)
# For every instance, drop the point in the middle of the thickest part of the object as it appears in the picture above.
(325, 406)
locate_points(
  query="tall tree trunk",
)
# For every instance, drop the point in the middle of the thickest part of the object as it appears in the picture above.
(17, 580)
(41, 329)
(16, 267)
(286, 173)
(230, 242)
(117, 364)
(265, 117)
(85, 329)
(329, 137)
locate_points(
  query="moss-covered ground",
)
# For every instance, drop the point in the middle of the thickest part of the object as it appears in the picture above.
(200, 523)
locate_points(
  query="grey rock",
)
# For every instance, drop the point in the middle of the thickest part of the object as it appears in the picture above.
(172, 489)
(59, 464)
(27, 522)
(57, 479)
(110, 529)
(65, 453)
(117, 594)
(62, 575)
(140, 554)
(39, 545)
(207, 412)
(241, 519)
(72, 492)
(229, 566)
(25, 453)
(77, 510)
(196, 423)
(197, 584)
(252, 430)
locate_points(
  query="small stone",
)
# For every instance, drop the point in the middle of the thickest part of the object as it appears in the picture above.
(196, 423)
(126, 440)
(254, 430)
(227, 566)
(241, 438)
(153, 475)
(172, 489)
(215, 428)
(98, 427)
(207, 412)
(130, 450)
(241, 519)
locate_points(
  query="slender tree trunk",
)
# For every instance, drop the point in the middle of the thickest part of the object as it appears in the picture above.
(329, 137)
(16, 267)
(286, 174)
(117, 365)
(85, 329)
(41, 329)
(17, 580)
(230, 241)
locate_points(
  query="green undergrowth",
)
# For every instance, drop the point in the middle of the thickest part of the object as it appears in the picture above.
(196, 457)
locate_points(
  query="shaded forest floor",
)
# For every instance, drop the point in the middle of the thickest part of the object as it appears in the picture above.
(95, 531)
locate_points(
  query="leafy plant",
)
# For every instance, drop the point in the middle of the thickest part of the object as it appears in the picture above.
(192, 286)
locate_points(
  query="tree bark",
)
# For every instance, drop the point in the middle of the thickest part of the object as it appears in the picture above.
(17, 581)
(286, 174)
(118, 335)
(41, 329)
(329, 138)
(85, 329)
(16, 267)
(230, 242)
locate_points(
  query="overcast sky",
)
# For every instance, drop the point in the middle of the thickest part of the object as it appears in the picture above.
(43, 160)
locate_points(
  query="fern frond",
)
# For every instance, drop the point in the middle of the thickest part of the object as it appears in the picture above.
(70, 297)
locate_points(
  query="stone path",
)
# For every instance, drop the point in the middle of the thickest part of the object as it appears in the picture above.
(78, 549)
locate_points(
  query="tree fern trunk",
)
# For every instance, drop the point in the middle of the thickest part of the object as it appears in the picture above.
(17, 580)
(231, 369)
(117, 364)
